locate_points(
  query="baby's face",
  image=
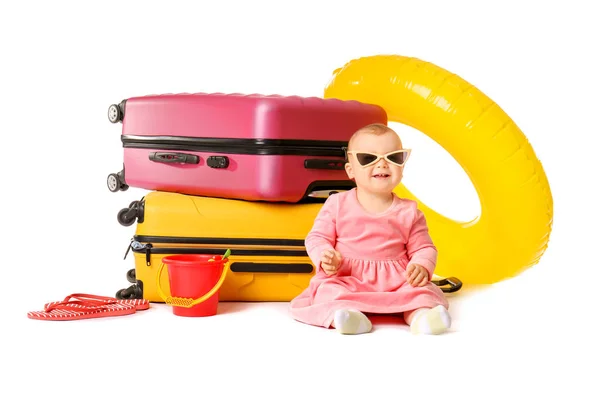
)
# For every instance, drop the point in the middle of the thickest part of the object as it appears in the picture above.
(380, 177)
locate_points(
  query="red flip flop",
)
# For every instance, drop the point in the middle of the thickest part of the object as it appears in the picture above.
(88, 306)
(91, 300)
(71, 311)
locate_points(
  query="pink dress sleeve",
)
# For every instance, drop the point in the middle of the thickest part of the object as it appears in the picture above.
(420, 247)
(322, 236)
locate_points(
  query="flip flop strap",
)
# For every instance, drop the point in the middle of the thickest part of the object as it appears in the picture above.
(90, 298)
(79, 306)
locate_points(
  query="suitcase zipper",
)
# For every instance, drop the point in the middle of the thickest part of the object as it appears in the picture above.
(238, 146)
(270, 242)
(142, 244)
(139, 247)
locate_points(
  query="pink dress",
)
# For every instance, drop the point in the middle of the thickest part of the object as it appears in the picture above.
(376, 249)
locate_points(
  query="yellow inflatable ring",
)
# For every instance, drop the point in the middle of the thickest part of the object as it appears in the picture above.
(513, 230)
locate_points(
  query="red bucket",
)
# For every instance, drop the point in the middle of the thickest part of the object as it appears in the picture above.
(194, 283)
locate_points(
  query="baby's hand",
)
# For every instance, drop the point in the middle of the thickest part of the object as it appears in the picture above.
(330, 261)
(416, 275)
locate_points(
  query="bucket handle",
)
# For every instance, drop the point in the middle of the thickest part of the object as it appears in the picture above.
(190, 302)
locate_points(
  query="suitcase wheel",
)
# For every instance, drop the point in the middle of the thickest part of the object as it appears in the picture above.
(127, 216)
(132, 292)
(131, 276)
(114, 113)
(114, 183)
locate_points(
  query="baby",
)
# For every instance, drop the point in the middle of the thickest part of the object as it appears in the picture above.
(372, 249)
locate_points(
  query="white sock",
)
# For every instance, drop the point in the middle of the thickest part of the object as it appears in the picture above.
(350, 321)
(432, 321)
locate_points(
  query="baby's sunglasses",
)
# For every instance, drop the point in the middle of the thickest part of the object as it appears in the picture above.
(398, 157)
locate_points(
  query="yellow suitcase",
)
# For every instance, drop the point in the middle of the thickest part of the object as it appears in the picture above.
(268, 260)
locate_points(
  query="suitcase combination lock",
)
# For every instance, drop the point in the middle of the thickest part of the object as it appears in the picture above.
(217, 161)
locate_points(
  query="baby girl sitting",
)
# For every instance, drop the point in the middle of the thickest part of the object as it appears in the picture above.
(372, 249)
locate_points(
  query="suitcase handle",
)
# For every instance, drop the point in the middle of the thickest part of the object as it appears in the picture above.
(455, 284)
(173, 158)
(324, 164)
(323, 194)
(274, 268)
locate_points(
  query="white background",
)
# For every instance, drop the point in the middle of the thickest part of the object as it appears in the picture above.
(64, 63)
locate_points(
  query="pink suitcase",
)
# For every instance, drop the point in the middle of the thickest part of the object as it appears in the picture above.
(250, 147)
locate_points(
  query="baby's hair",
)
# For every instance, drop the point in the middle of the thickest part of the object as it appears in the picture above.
(375, 129)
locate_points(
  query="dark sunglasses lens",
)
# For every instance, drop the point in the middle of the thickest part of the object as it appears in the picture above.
(398, 158)
(365, 159)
